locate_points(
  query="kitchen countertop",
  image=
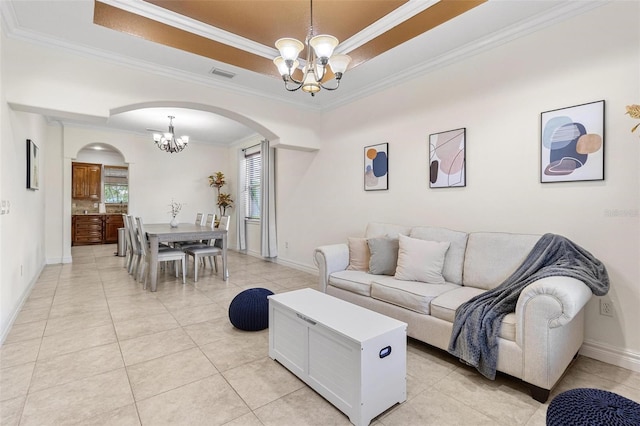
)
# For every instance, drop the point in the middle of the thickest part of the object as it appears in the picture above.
(96, 214)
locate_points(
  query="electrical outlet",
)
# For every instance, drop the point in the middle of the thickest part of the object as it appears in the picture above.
(286, 244)
(606, 308)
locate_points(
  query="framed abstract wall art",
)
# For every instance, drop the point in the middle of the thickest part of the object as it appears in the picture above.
(33, 166)
(376, 167)
(572, 143)
(447, 159)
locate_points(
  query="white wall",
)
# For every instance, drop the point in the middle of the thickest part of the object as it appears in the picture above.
(22, 244)
(498, 96)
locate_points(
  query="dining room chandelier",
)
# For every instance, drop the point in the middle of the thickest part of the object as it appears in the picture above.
(319, 58)
(168, 142)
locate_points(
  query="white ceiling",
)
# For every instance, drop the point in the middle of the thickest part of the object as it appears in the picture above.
(69, 24)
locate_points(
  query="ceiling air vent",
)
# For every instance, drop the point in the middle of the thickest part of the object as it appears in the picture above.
(222, 73)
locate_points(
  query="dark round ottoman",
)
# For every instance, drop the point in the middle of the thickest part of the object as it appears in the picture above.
(249, 310)
(596, 407)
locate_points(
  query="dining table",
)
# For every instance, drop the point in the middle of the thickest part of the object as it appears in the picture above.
(164, 232)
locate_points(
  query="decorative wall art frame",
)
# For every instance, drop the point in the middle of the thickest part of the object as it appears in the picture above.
(376, 167)
(33, 165)
(447, 159)
(572, 143)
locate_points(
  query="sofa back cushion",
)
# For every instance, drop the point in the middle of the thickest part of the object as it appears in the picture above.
(491, 257)
(377, 229)
(454, 258)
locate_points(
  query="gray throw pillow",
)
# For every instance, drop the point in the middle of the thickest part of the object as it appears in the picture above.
(384, 255)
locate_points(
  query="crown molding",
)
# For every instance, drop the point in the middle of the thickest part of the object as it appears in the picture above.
(545, 19)
(384, 24)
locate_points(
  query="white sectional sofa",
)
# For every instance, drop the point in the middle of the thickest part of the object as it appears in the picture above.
(536, 343)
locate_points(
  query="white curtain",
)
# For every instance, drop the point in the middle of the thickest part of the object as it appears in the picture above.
(268, 240)
(241, 224)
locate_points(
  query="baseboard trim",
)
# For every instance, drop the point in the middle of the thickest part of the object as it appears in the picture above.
(18, 307)
(297, 266)
(611, 355)
(58, 260)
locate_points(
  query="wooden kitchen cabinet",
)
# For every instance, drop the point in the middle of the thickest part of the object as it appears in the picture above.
(95, 229)
(111, 224)
(87, 229)
(86, 181)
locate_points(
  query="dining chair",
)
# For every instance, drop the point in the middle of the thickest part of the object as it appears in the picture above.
(181, 244)
(165, 255)
(136, 250)
(209, 251)
(128, 251)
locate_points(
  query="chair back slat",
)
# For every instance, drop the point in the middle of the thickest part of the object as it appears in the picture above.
(142, 237)
(210, 220)
(224, 223)
(199, 217)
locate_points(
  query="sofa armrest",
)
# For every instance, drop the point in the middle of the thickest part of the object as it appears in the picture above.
(561, 298)
(550, 327)
(330, 259)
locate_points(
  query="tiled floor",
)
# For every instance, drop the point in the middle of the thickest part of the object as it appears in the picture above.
(92, 347)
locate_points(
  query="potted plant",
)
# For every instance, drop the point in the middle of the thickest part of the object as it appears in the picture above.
(224, 200)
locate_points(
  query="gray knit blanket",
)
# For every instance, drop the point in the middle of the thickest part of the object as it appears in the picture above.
(474, 339)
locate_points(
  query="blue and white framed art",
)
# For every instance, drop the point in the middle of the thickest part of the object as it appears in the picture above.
(572, 143)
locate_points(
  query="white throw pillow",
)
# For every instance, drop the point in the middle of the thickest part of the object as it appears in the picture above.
(358, 254)
(421, 260)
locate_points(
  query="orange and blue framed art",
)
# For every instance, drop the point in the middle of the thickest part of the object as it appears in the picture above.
(376, 167)
(572, 143)
(447, 159)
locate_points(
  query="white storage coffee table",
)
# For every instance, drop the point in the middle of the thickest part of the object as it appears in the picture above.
(353, 357)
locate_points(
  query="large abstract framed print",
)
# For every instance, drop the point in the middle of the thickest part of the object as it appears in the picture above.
(447, 159)
(572, 143)
(376, 167)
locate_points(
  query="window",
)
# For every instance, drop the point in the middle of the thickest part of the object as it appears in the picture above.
(252, 190)
(116, 185)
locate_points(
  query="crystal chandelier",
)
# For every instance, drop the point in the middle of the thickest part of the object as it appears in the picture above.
(168, 142)
(319, 55)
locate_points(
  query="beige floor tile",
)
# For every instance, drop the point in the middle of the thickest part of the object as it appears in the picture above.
(14, 381)
(31, 315)
(78, 307)
(608, 371)
(233, 351)
(434, 408)
(76, 401)
(248, 419)
(207, 332)
(28, 331)
(11, 410)
(539, 418)
(77, 322)
(175, 300)
(504, 399)
(195, 314)
(75, 366)
(19, 353)
(145, 348)
(128, 308)
(125, 416)
(146, 325)
(302, 407)
(72, 341)
(261, 382)
(159, 375)
(38, 303)
(43, 290)
(210, 401)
